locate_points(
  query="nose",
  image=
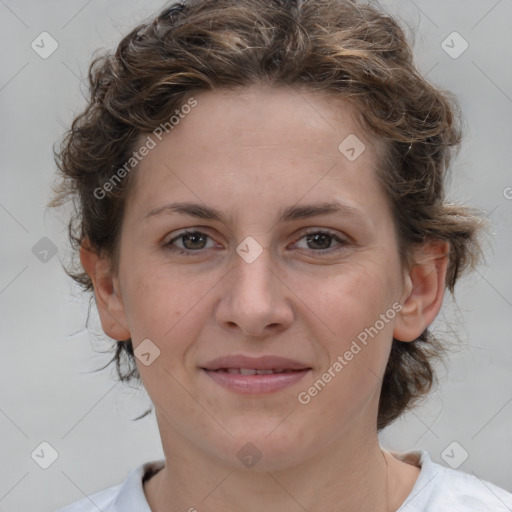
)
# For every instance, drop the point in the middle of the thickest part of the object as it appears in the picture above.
(255, 298)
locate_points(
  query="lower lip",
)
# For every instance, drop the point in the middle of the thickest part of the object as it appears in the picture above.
(266, 383)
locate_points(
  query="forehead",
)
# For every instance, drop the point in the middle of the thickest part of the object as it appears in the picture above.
(275, 116)
(278, 141)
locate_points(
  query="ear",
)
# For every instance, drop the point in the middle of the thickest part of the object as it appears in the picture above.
(424, 290)
(106, 290)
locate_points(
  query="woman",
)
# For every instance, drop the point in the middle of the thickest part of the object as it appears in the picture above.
(261, 217)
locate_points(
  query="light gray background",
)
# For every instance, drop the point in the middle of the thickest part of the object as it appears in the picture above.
(47, 393)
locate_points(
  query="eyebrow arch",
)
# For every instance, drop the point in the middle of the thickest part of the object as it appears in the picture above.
(288, 214)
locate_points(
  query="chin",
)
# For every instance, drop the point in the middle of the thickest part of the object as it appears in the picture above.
(263, 447)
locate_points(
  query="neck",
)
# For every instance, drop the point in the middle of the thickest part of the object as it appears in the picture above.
(347, 475)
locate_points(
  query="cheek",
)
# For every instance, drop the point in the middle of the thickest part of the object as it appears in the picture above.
(155, 300)
(169, 307)
(358, 311)
(161, 309)
(353, 299)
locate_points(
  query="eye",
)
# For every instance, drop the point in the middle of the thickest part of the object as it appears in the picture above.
(192, 241)
(321, 242)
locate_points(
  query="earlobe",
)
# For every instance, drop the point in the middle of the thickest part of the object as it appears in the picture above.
(106, 290)
(424, 291)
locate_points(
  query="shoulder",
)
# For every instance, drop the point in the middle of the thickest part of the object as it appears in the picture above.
(100, 500)
(124, 497)
(441, 489)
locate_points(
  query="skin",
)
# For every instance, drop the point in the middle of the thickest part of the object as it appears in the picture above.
(250, 154)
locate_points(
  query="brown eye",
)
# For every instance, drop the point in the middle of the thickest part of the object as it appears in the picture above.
(191, 241)
(322, 242)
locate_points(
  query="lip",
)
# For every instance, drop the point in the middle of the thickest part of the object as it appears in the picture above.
(291, 372)
(268, 362)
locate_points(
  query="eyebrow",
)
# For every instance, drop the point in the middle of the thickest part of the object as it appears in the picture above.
(288, 214)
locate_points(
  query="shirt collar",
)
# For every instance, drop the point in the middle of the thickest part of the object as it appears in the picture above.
(131, 493)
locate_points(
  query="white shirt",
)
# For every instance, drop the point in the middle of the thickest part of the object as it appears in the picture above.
(437, 489)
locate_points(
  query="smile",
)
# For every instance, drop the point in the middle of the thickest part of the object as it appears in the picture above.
(251, 371)
(245, 374)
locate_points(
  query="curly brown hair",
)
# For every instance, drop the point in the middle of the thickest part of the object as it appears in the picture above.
(348, 49)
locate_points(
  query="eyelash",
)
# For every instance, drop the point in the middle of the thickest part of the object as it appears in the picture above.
(188, 252)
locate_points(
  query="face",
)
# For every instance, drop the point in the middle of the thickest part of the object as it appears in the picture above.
(268, 277)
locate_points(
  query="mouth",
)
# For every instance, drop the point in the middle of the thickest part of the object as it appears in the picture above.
(264, 374)
(252, 371)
